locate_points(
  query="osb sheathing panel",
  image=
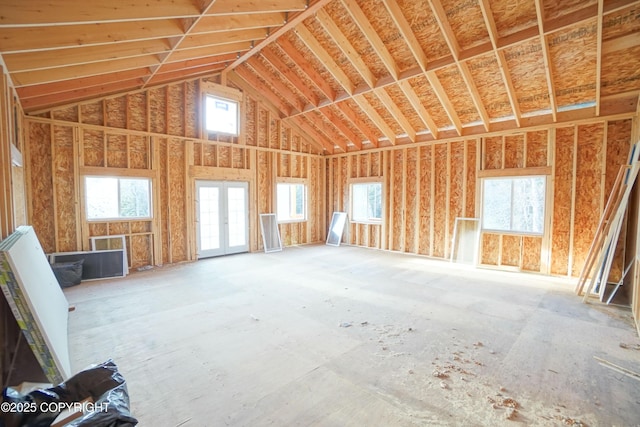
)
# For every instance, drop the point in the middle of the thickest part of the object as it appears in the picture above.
(64, 186)
(458, 93)
(620, 23)
(116, 112)
(405, 107)
(467, 22)
(362, 116)
(42, 214)
(490, 247)
(224, 156)
(139, 153)
(284, 165)
(621, 71)
(512, 16)
(250, 122)
(140, 251)
(295, 68)
(374, 165)
(239, 157)
(526, 64)
(137, 111)
(382, 22)
(327, 42)
(384, 113)
(588, 190)
(176, 195)
(210, 155)
(531, 251)
(470, 208)
(335, 184)
(93, 113)
(315, 198)
(263, 184)
(158, 110)
(398, 202)
(263, 127)
(344, 187)
(93, 141)
(192, 112)
(562, 191)
(363, 165)
(421, 86)
(116, 151)
(557, 8)
(573, 53)
(315, 63)
(176, 112)
(140, 226)
(514, 151)
(537, 148)
(511, 248)
(69, 114)
(353, 171)
(440, 199)
(456, 184)
(351, 31)
(121, 227)
(274, 134)
(425, 27)
(488, 80)
(161, 144)
(493, 152)
(98, 229)
(426, 163)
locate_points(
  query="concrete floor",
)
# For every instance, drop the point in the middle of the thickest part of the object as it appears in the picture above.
(347, 336)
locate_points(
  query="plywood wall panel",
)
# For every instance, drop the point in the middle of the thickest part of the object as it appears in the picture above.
(42, 213)
(588, 189)
(426, 197)
(117, 151)
(137, 111)
(65, 189)
(490, 249)
(514, 151)
(531, 253)
(116, 112)
(440, 200)
(511, 249)
(562, 196)
(537, 148)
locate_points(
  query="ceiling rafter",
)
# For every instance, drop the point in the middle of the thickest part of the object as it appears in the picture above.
(325, 58)
(372, 36)
(219, 23)
(283, 108)
(304, 65)
(444, 100)
(290, 75)
(300, 124)
(490, 22)
(277, 84)
(366, 130)
(547, 62)
(371, 112)
(407, 33)
(203, 52)
(235, 7)
(339, 123)
(417, 105)
(346, 47)
(329, 130)
(397, 114)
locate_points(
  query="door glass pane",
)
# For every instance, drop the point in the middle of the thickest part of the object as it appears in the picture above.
(237, 215)
(209, 198)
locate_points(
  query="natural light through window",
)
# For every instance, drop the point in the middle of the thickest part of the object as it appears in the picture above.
(221, 115)
(291, 202)
(114, 198)
(514, 204)
(366, 202)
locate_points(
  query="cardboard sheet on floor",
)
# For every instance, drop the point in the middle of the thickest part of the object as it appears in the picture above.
(36, 300)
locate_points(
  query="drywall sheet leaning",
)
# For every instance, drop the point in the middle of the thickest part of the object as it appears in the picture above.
(36, 300)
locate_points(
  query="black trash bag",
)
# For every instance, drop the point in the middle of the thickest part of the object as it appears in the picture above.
(68, 273)
(103, 383)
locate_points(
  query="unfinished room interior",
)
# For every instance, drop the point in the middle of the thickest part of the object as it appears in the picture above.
(325, 212)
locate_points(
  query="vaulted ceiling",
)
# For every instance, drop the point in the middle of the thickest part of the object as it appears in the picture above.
(350, 74)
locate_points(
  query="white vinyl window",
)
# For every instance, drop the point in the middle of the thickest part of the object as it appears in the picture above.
(366, 202)
(221, 115)
(514, 204)
(292, 202)
(117, 198)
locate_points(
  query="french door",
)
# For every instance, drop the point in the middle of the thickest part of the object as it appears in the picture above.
(222, 218)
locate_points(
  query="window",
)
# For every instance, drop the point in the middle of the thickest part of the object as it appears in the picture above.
(366, 202)
(115, 198)
(292, 202)
(514, 204)
(221, 115)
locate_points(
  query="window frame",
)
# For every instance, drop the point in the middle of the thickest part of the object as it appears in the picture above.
(366, 181)
(511, 231)
(226, 94)
(117, 218)
(305, 203)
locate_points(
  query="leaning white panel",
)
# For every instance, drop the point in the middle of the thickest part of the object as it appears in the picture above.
(270, 233)
(338, 221)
